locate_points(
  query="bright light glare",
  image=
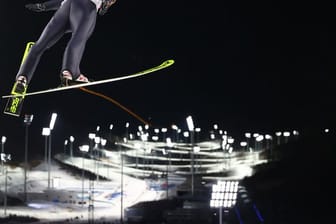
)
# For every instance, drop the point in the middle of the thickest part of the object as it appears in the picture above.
(190, 123)
(286, 134)
(92, 135)
(169, 142)
(52, 121)
(243, 144)
(46, 131)
(3, 139)
(259, 138)
(103, 141)
(97, 140)
(224, 194)
(84, 148)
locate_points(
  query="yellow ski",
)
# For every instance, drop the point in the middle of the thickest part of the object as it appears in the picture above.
(15, 103)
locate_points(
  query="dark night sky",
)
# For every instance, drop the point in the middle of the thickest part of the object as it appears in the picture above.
(245, 65)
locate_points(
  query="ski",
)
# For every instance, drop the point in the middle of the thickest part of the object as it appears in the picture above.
(163, 65)
(15, 102)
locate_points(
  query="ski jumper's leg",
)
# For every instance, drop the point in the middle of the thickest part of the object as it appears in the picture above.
(54, 30)
(83, 16)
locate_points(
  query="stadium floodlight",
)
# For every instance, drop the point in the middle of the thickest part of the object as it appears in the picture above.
(46, 131)
(243, 144)
(224, 195)
(190, 123)
(97, 140)
(52, 121)
(174, 127)
(92, 136)
(286, 134)
(3, 139)
(248, 135)
(103, 142)
(84, 148)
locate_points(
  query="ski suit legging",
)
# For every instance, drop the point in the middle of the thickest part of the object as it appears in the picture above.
(75, 16)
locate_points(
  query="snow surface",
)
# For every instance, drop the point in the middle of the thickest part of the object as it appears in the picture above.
(63, 200)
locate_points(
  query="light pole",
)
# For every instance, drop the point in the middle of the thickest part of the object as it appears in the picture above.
(91, 137)
(5, 196)
(175, 128)
(164, 130)
(83, 149)
(3, 141)
(65, 144)
(165, 153)
(97, 141)
(121, 181)
(259, 140)
(191, 128)
(51, 127)
(169, 145)
(72, 139)
(110, 133)
(248, 138)
(286, 135)
(278, 134)
(103, 143)
(197, 130)
(5, 157)
(127, 126)
(269, 146)
(46, 133)
(28, 119)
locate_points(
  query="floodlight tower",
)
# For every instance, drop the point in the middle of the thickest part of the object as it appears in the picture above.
(110, 133)
(191, 128)
(224, 195)
(72, 139)
(65, 144)
(83, 149)
(28, 119)
(4, 158)
(3, 141)
(51, 127)
(91, 137)
(46, 133)
(127, 127)
(97, 142)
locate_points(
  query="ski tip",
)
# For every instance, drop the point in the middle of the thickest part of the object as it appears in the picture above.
(168, 62)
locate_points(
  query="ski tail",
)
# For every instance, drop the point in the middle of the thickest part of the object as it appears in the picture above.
(15, 103)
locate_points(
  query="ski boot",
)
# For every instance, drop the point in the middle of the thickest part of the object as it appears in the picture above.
(66, 79)
(20, 86)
